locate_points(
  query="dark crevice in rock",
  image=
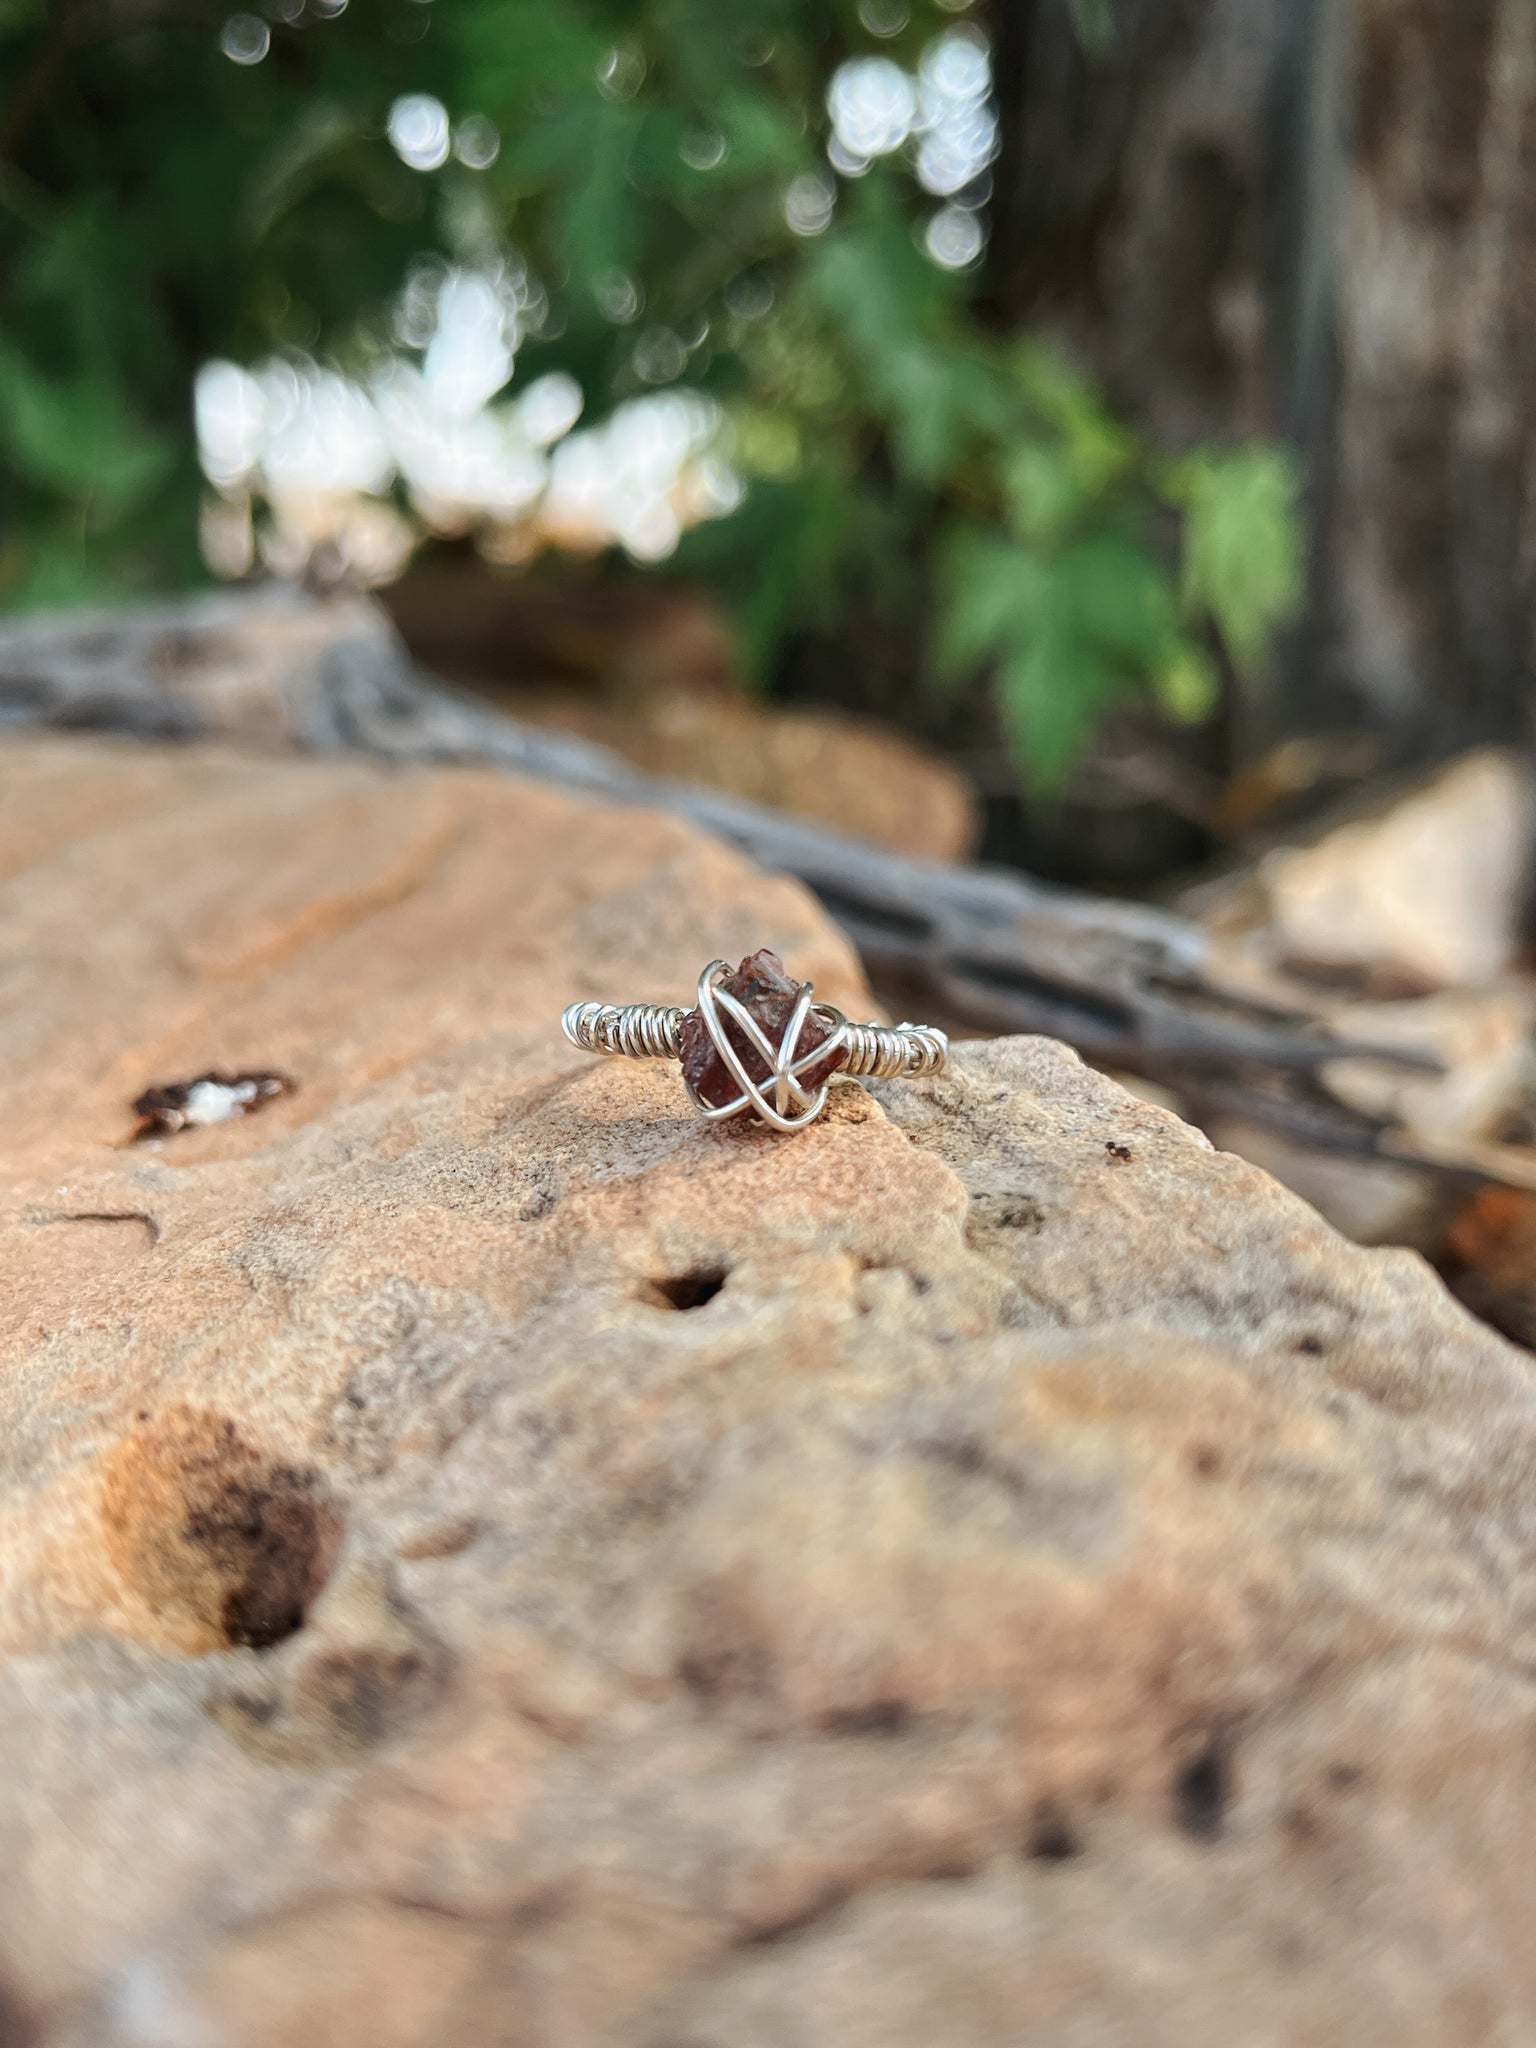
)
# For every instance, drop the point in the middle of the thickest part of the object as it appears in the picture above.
(150, 1225)
(1051, 1837)
(690, 1290)
(1202, 1789)
(880, 1717)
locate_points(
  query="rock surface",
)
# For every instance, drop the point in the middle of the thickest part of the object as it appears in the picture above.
(654, 674)
(487, 1558)
(1428, 891)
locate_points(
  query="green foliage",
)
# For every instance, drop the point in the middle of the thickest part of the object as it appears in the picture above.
(161, 205)
(1244, 561)
(1094, 21)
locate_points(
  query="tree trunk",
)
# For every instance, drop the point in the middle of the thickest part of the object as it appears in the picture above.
(1315, 218)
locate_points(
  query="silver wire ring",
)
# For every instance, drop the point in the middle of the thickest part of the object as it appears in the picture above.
(777, 1096)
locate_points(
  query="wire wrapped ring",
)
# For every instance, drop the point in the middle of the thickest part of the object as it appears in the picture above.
(757, 1043)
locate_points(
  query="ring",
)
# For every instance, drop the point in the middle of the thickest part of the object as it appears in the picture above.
(757, 1043)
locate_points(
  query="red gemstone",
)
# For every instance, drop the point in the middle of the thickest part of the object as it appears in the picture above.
(762, 987)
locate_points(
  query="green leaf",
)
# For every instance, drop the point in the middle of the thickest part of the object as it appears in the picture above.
(1042, 490)
(1244, 545)
(77, 437)
(1117, 595)
(989, 596)
(1187, 687)
(886, 304)
(777, 557)
(1094, 21)
(1052, 693)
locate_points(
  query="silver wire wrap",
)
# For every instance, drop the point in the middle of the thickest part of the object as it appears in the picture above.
(636, 1031)
(895, 1052)
(884, 1052)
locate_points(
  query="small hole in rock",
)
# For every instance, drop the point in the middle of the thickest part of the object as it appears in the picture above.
(1205, 1461)
(1314, 1347)
(691, 1290)
(1051, 1838)
(1201, 1791)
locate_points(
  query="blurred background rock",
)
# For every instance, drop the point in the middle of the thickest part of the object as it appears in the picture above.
(1090, 434)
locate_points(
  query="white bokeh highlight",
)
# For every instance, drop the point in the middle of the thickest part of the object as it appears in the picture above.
(305, 463)
(419, 131)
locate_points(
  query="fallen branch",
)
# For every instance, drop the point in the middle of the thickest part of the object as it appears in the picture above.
(1122, 982)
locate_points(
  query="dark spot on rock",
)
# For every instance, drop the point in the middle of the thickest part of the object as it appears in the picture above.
(721, 1671)
(328, 1700)
(363, 1691)
(1201, 1790)
(689, 1290)
(225, 1545)
(879, 1717)
(1205, 1461)
(1343, 1777)
(1300, 1823)
(537, 1197)
(1051, 1837)
(1007, 1212)
(961, 1453)
(1314, 1347)
(1117, 1150)
(265, 1537)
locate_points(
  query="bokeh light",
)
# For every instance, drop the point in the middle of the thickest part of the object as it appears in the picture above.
(873, 105)
(476, 142)
(317, 454)
(944, 118)
(808, 204)
(704, 150)
(245, 39)
(418, 128)
(883, 17)
(955, 237)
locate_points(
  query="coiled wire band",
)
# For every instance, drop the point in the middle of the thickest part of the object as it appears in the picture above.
(636, 1031)
(642, 1031)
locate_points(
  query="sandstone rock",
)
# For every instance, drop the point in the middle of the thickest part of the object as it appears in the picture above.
(1425, 893)
(488, 1558)
(815, 763)
(654, 674)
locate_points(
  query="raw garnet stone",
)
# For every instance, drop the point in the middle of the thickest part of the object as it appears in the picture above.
(761, 986)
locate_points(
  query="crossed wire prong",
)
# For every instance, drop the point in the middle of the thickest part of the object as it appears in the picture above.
(779, 1098)
(783, 1066)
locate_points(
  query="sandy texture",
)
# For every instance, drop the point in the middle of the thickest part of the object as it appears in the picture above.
(489, 1561)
